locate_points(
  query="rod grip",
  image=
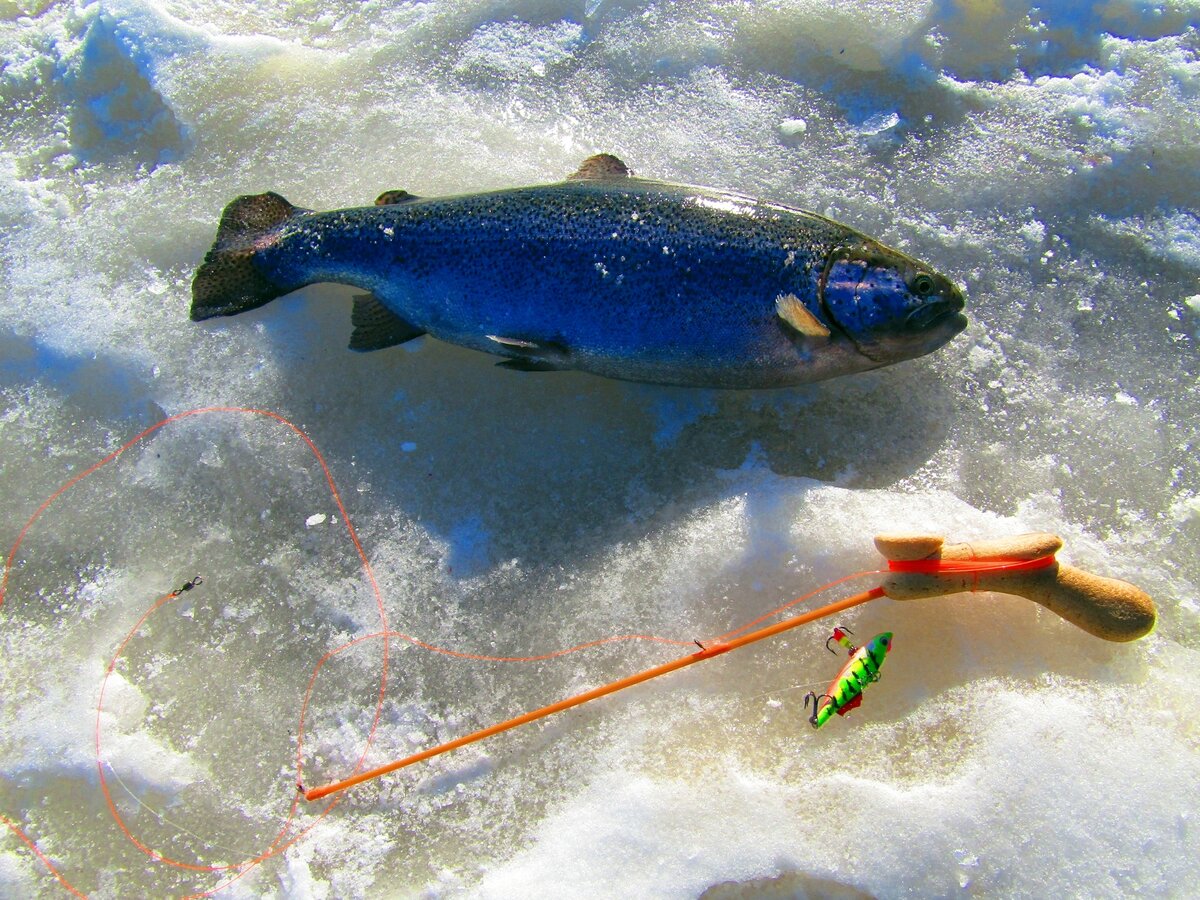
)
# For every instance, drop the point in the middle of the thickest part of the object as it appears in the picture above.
(1105, 607)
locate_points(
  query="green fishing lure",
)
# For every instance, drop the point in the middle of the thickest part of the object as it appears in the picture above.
(845, 692)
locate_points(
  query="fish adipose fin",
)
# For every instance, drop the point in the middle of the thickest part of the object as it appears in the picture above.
(600, 167)
(390, 198)
(798, 316)
(376, 326)
(228, 282)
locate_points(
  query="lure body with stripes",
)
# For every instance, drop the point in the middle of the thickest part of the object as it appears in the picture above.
(620, 276)
(845, 691)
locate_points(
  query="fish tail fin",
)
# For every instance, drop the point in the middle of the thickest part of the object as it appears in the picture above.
(228, 282)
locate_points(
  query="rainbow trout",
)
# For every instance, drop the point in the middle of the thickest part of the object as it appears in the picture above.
(604, 272)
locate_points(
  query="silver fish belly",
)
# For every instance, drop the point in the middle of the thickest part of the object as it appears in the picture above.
(606, 273)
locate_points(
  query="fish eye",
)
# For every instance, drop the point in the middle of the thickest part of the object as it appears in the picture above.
(922, 285)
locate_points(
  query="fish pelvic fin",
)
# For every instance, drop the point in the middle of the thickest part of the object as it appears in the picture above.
(376, 326)
(228, 282)
(531, 356)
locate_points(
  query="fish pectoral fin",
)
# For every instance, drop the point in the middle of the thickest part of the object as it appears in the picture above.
(600, 167)
(376, 326)
(390, 198)
(789, 308)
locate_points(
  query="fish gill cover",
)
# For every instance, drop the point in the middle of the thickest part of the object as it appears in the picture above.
(1047, 157)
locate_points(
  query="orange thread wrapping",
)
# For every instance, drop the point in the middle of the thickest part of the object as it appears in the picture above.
(974, 567)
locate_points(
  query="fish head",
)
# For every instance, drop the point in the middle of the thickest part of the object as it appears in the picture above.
(890, 305)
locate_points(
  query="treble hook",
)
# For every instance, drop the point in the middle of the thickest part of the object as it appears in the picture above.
(839, 635)
(812, 695)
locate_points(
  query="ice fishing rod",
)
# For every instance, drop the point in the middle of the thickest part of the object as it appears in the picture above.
(919, 566)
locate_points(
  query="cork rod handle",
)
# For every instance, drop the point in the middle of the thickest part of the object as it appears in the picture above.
(1105, 607)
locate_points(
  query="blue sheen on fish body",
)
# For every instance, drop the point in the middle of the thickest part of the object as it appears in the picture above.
(620, 276)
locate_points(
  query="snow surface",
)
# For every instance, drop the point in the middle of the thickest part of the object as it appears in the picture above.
(1048, 158)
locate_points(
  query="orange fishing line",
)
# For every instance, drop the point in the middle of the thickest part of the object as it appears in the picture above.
(722, 644)
(37, 851)
(822, 589)
(281, 841)
(278, 844)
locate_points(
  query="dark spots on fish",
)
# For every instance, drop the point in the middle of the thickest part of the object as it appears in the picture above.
(643, 279)
(484, 264)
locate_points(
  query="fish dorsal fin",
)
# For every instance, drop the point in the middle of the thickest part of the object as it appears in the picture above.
(601, 167)
(388, 198)
(376, 326)
(789, 308)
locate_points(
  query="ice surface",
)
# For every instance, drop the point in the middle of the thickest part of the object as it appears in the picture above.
(1047, 157)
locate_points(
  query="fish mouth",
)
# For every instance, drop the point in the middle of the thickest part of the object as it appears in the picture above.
(940, 315)
(958, 321)
(930, 327)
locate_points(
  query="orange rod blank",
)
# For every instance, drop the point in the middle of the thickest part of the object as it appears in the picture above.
(708, 652)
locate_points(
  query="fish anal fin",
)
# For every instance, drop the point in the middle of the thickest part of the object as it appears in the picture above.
(376, 326)
(790, 308)
(525, 364)
(600, 167)
(531, 356)
(391, 198)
